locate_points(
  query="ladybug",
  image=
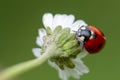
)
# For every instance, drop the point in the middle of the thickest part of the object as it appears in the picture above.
(90, 38)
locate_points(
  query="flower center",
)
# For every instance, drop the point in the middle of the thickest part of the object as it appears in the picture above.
(66, 46)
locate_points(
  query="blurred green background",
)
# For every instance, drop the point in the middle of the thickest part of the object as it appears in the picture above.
(21, 19)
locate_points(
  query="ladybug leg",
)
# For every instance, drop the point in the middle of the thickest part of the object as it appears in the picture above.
(81, 41)
(82, 46)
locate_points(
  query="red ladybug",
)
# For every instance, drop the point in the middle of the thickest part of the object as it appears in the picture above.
(91, 38)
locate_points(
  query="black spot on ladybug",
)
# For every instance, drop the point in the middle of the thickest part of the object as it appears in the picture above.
(100, 45)
(91, 49)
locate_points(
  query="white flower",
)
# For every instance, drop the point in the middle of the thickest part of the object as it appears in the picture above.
(65, 21)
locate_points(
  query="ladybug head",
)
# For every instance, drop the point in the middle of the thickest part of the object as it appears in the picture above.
(83, 34)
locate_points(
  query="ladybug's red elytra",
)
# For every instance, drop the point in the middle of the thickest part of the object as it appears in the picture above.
(90, 38)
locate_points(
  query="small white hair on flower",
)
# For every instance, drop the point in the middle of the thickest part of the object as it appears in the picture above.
(73, 66)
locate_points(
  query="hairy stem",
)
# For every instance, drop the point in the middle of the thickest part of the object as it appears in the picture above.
(18, 69)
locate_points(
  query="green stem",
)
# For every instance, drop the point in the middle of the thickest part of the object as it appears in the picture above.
(22, 67)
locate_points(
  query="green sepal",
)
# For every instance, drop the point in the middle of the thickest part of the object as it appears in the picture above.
(70, 64)
(68, 38)
(63, 35)
(73, 50)
(49, 31)
(57, 29)
(69, 44)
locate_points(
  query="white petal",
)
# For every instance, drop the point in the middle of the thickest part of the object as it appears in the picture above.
(57, 20)
(72, 73)
(36, 52)
(63, 74)
(77, 24)
(52, 64)
(47, 20)
(80, 66)
(68, 21)
(39, 41)
(42, 33)
(82, 55)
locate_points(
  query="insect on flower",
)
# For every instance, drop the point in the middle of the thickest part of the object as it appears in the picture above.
(58, 38)
(59, 33)
(91, 38)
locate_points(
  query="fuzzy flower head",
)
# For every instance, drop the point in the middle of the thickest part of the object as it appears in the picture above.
(59, 39)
